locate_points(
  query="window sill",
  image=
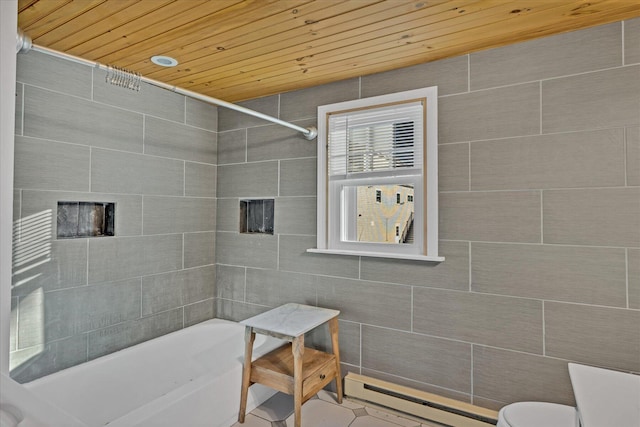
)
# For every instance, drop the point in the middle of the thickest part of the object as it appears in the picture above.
(377, 254)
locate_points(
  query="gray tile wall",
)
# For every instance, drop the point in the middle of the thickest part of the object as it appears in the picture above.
(539, 165)
(153, 153)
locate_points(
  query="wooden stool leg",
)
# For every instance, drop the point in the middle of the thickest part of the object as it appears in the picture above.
(333, 328)
(249, 337)
(298, 353)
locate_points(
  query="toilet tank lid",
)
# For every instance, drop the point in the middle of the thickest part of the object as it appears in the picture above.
(605, 397)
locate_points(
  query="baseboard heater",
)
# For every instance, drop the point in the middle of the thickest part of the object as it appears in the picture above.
(443, 410)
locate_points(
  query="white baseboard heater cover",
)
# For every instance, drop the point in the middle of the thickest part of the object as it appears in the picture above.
(443, 410)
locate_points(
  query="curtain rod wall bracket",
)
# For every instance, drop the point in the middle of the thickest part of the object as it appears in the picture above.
(312, 133)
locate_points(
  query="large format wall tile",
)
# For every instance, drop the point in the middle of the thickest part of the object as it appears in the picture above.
(40, 69)
(487, 114)
(506, 216)
(505, 322)
(201, 114)
(230, 282)
(73, 311)
(167, 291)
(48, 265)
(228, 215)
(634, 278)
(577, 102)
(200, 180)
(251, 250)
(430, 360)
(295, 215)
(633, 156)
(163, 215)
(170, 139)
(52, 357)
(149, 99)
(510, 376)
(429, 388)
(563, 273)
(119, 258)
(48, 165)
(594, 335)
(304, 103)
(293, 256)
(580, 159)
(278, 142)
(232, 146)
(120, 172)
(349, 341)
(230, 119)
(274, 288)
(450, 75)
(69, 119)
(123, 335)
(453, 273)
(602, 217)
(559, 55)
(453, 167)
(248, 180)
(199, 312)
(632, 41)
(236, 310)
(199, 248)
(372, 303)
(42, 206)
(298, 177)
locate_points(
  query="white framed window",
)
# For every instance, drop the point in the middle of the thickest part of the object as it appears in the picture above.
(373, 154)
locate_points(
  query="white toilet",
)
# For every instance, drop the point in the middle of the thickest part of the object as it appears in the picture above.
(605, 398)
(537, 414)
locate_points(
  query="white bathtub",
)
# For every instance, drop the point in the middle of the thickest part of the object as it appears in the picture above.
(187, 378)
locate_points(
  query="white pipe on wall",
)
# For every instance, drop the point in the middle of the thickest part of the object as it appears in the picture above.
(8, 27)
(309, 133)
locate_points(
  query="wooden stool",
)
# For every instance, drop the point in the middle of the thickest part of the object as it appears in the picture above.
(291, 369)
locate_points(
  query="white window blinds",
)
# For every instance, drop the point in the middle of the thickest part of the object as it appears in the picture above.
(376, 140)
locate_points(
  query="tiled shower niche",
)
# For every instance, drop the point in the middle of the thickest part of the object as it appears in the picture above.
(85, 219)
(256, 216)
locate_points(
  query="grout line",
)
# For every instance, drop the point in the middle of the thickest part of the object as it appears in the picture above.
(184, 178)
(183, 251)
(244, 290)
(246, 145)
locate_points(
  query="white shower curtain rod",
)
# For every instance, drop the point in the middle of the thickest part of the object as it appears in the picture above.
(24, 44)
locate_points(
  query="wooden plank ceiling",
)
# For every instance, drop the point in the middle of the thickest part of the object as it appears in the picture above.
(242, 49)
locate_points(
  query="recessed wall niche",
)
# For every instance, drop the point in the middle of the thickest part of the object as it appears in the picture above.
(256, 216)
(85, 219)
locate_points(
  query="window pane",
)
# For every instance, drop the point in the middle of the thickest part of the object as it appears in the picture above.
(378, 213)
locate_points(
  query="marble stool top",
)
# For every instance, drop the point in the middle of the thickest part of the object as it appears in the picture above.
(291, 320)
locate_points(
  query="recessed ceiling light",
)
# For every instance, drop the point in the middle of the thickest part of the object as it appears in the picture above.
(164, 61)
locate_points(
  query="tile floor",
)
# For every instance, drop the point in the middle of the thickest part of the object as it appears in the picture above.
(323, 411)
